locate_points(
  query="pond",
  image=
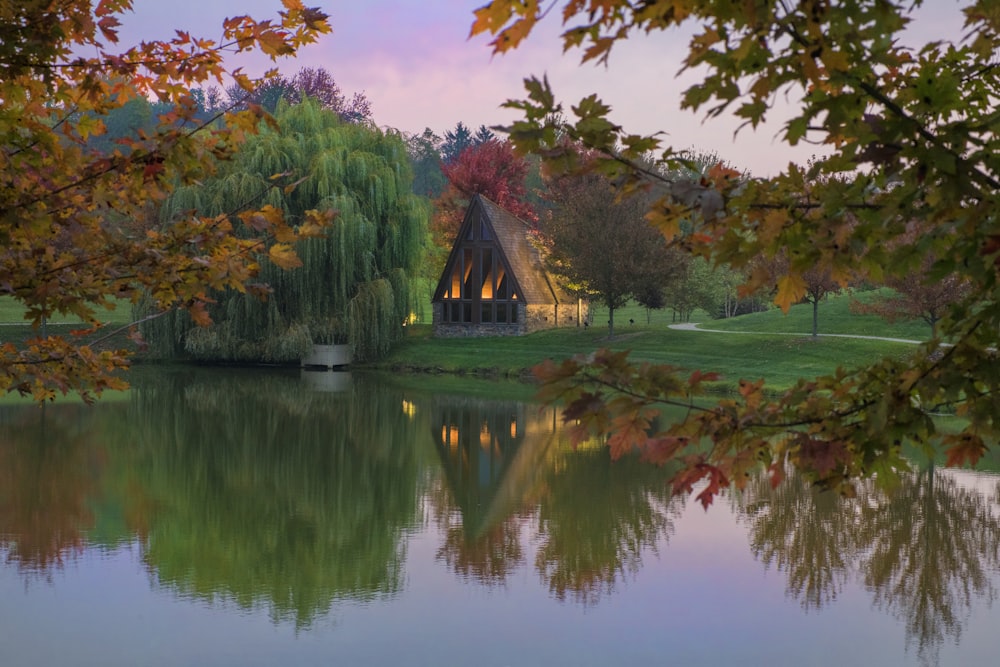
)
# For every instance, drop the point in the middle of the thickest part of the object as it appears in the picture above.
(276, 517)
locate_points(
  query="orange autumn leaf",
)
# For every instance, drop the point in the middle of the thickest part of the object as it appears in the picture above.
(964, 448)
(283, 255)
(791, 289)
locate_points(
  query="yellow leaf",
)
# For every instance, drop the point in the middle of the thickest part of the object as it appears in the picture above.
(199, 313)
(491, 18)
(284, 234)
(273, 44)
(662, 217)
(290, 188)
(667, 224)
(791, 289)
(771, 225)
(284, 256)
(836, 61)
(88, 126)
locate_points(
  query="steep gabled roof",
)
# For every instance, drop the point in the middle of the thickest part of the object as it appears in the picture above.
(511, 235)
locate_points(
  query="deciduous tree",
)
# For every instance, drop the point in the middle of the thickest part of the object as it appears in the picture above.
(61, 200)
(601, 247)
(351, 284)
(818, 282)
(490, 169)
(919, 293)
(917, 297)
(313, 82)
(910, 136)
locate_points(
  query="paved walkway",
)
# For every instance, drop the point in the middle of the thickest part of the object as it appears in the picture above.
(693, 326)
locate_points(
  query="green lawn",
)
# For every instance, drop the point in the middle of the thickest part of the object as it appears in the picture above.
(835, 317)
(12, 311)
(14, 327)
(759, 352)
(779, 359)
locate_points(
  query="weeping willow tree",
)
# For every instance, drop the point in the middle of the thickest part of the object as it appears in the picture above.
(354, 284)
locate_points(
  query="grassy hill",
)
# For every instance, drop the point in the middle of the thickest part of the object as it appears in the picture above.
(771, 345)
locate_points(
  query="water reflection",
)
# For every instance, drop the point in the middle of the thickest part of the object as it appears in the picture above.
(927, 551)
(263, 490)
(509, 472)
(267, 490)
(49, 477)
(494, 455)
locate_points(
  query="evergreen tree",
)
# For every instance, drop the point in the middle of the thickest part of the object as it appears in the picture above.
(456, 141)
(483, 134)
(425, 159)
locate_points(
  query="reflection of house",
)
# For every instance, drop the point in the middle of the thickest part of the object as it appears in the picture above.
(494, 454)
(494, 283)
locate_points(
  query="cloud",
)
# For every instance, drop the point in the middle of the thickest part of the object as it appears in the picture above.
(415, 62)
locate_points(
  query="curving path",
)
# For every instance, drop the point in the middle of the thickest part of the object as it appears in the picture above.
(693, 326)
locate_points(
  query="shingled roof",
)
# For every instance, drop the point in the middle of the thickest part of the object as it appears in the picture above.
(512, 238)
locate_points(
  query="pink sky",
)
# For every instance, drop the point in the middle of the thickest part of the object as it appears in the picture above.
(414, 61)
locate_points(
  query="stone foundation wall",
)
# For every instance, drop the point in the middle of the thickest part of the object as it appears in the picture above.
(551, 316)
(529, 319)
(477, 330)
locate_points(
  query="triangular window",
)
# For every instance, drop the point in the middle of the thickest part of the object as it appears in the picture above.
(480, 289)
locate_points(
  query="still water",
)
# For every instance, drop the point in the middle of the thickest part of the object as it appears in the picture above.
(271, 517)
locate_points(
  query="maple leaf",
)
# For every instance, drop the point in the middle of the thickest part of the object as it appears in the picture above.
(963, 448)
(272, 42)
(661, 450)
(107, 26)
(586, 405)
(199, 313)
(821, 456)
(88, 126)
(283, 256)
(791, 289)
(629, 432)
(722, 177)
(717, 482)
(685, 480)
(771, 224)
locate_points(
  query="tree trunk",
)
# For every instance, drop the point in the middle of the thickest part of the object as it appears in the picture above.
(815, 318)
(611, 323)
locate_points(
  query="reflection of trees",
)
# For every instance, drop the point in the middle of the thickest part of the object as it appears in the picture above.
(926, 549)
(487, 557)
(596, 519)
(934, 546)
(505, 467)
(808, 534)
(49, 473)
(266, 493)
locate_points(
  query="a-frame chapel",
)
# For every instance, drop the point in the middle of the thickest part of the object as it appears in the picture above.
(494, 283)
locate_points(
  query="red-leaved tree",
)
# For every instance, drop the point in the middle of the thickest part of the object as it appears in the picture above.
(490, 169)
